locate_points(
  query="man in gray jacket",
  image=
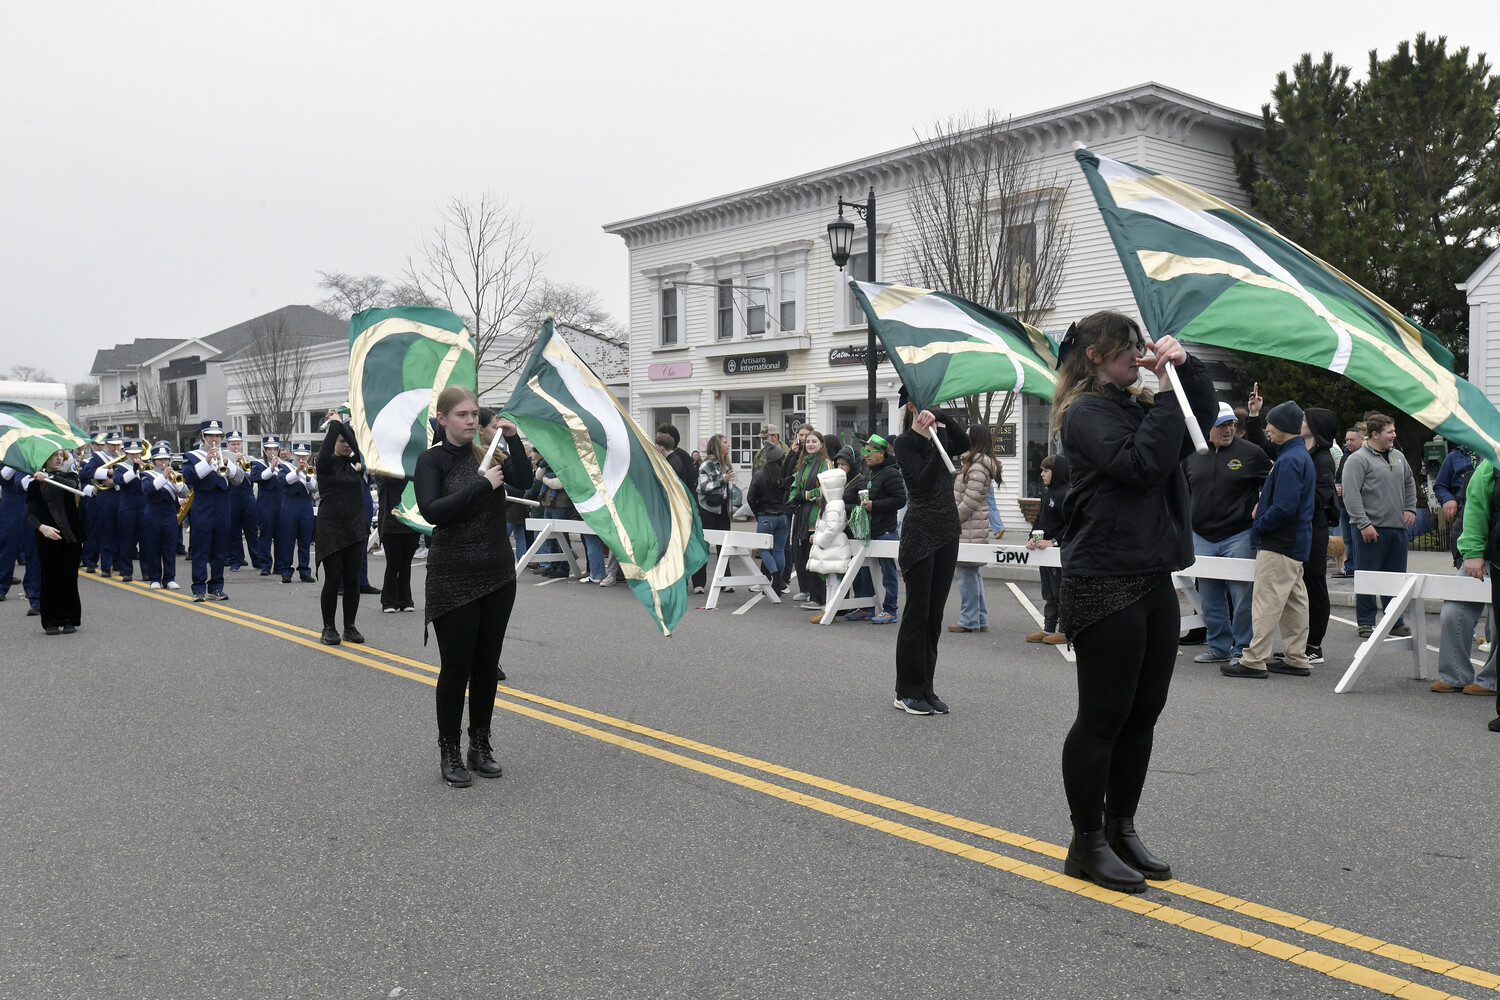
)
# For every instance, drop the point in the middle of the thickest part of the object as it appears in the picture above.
(1380, 495)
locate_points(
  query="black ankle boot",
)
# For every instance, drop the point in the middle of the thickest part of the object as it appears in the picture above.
(481, 758)
(1119, 832)
(452, 763)
(1090, 857)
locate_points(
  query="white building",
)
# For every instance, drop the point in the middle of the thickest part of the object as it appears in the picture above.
(709, 356)
(1483, 293)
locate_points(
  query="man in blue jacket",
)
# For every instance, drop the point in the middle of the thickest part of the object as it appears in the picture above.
(1281, 534)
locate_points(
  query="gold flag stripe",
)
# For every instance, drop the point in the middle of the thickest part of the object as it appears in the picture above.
(371, 336)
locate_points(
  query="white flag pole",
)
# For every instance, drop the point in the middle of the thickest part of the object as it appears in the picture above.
(1194, 431)
(490, 455)
(60, 486)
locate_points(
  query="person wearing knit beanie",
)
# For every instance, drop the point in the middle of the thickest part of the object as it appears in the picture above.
(1286, 417)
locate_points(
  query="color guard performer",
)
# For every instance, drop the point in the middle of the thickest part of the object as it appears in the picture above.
(263, 472)
(295, 525)
(165, 493)
(242, 524)
(209, 472)
(53, 515)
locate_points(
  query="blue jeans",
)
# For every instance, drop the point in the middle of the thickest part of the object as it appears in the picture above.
(1226, 603)
(1458, 621)
(995, 523)
(971, 612)
(593, 545)
(1349, 535)
(773, 560)
(518, 538)
(1387, 554)
(552, 544)
(889, 575)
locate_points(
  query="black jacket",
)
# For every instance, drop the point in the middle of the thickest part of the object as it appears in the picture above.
(887, 495)
(1225, 485)
(1049, 516)
(767, 495)
(931, 513)
(1128, 511)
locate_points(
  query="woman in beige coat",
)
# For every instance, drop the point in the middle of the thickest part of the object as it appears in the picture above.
(971, 492)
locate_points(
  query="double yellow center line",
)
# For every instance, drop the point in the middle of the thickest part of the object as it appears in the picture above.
(1277, 948)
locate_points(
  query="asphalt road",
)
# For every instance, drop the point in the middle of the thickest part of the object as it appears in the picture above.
(201, 801)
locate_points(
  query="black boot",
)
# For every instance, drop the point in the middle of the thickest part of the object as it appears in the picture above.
(1090, 857)
(452, 763)
(481, 759)
(1119, 832)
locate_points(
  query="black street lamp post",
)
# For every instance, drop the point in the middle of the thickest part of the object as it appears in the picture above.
(840, 243)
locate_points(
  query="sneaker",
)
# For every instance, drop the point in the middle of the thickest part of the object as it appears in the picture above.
(219, 595)
(1401, 631)
(389, 611)
(697, 590)
(199, 598)
(913, 706)
(330, 636)
(352, 634)
(800, 595)
(155, 584)
(90, 570)
(33, 611)
(1210, 657)
(54, 630)
(1056, 639)
(1479, 689)
(608, 581)
(726, 590)
(173, 585)
(585, 579)
(1282, 667)
(811, 605)
(69, 629)
(939, 706)
(857, 615)
(884, 618)
(1234, 668)
(1484, 645)
(1193, 637)
(1495, 724)
(1365, 631)
(265, 572)
(1315, 654)
(1037, 636)
(408, 608)
(1442, 687)
(308, 579)
(286, 579)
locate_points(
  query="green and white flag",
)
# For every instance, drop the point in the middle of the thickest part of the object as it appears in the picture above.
(30, 435)
(1202, 270)
(400, 359)
(945, 347)
(619, 483)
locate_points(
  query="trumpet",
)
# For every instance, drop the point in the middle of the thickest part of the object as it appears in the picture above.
(219, 462)
(244, 463)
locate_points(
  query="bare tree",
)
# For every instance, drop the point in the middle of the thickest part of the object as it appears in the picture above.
(989, 227)
(570, 304)
(30, 373)
(478, 262)
(161, 409)
(352, 293)
(272, 375)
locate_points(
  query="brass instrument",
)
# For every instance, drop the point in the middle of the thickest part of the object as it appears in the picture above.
(182, 512)
(244, 463)
(108, 482)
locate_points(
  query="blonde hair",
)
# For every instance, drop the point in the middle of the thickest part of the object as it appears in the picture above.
(452, 395)
(1108, 333)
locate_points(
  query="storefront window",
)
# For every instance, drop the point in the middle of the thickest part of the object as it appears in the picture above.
(1036, 415)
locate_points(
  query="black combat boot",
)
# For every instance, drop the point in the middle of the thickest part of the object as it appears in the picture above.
(481, 759)
(452, 763)
(1090, 857)
(1119, 832)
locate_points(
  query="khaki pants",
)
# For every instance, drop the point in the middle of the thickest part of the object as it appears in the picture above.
(1280, 600)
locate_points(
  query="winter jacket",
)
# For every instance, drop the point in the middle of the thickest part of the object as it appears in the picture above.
(1378, 488)
(1049, 517)
(768, 488)
(1283, 520)
(710, 479)
(1481, 534)
(887, 496)
(1128, 513)
(830, 546)
(931, 515)
(1225, 484)
(971, 494)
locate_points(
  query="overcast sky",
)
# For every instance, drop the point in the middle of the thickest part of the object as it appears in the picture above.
(172, 169)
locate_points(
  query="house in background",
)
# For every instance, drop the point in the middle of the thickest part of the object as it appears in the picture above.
(739, 320)
(1483, 293)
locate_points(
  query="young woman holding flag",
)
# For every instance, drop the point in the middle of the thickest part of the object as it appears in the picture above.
(471, 575)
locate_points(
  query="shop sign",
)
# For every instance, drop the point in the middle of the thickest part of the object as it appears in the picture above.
(749, 364)
(855, 355)
(1004, 436)
(670, 370)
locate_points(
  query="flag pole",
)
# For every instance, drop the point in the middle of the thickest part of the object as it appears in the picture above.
(490, 455)
(1194, 431)
(61, 486)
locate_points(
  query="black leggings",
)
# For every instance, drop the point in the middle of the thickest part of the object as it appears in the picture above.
(1318, 607)
(926, 583)
(342, 570)
(395, 590)
(1125, 666)
(469, 641)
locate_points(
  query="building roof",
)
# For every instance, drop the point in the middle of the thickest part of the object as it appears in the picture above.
(607, 356)
(124, 356)
(1490, 266)
(1146, 106)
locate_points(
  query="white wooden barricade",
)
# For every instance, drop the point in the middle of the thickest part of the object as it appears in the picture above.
(840, 600)
(1408, 592)
(735, 549)
(1210, 568)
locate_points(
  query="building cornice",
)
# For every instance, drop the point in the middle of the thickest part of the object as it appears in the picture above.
(1150, 109)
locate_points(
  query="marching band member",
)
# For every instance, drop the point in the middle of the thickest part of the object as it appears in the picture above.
(242, 522)
(17, 540)
(471, 576)
(165, 493)
(294, 525)
(100, 479)
(87, 506)
(343, 527)
(55, 520)
(209, 472)
(267, 498)
(128, 506)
